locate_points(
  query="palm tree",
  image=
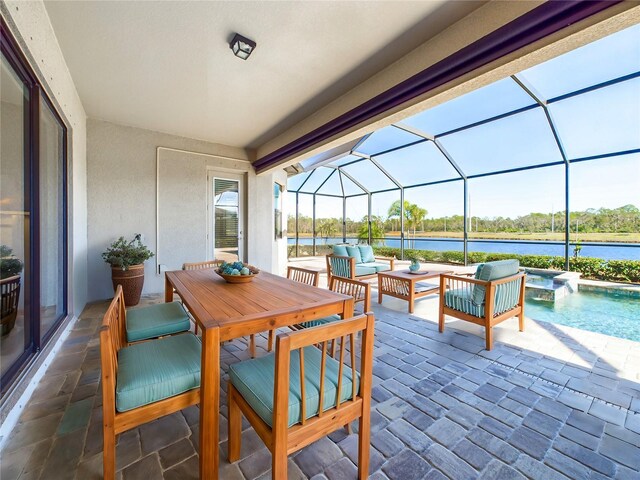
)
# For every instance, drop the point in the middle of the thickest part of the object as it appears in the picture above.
(415, 215)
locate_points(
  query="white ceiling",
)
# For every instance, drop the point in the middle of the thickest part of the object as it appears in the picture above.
(167, 66)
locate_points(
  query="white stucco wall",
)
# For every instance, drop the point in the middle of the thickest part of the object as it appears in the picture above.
(122, 188)
(30, 25)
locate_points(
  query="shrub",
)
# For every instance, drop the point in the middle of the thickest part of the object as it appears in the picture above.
(123, 254)
(592, 268)
(10, 266)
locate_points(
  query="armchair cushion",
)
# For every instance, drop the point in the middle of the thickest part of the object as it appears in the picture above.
(460, 299)
(156, 321)
(492, 271)
(158, 369)
(255, 379)
(366, 252)
(380, 267)
(354, 252)
(365, 270)
(340, 250)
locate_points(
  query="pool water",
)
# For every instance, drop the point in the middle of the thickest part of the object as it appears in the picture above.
(605, 313)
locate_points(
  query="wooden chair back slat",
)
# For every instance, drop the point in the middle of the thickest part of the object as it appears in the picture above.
(303, 275)
(352, 350)
(340, 371)
(303, 409)
(323, 365)
(201, 265)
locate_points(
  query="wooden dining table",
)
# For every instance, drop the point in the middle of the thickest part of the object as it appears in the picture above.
(225, 311)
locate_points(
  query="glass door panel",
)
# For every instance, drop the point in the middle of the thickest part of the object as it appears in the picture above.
(14, 218)
(52, 252)
(226, 219)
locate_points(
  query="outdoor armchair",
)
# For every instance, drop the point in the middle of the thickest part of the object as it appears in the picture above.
(493, 296)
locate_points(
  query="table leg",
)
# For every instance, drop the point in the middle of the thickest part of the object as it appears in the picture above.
(209, 403)
(412, 294)
(168, 290)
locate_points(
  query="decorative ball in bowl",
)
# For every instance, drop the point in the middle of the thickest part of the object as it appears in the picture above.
(237, 272)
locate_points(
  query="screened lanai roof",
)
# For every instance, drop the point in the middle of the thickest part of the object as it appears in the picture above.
(583, 105)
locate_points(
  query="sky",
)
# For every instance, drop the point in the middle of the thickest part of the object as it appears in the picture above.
(597, 122)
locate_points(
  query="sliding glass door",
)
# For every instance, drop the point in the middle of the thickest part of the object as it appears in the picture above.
(15, 342)
(33, 219)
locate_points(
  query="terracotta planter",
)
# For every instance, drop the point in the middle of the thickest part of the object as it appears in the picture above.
(131, 280)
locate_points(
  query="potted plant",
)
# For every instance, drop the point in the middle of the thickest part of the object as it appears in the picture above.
(415, 262)
(127, 266)
(10, 268)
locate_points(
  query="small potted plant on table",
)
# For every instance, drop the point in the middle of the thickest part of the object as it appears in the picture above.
(10, 268)
(415, 262)
(127, 266)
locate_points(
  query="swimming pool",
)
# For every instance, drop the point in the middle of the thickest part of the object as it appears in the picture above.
(608, 313)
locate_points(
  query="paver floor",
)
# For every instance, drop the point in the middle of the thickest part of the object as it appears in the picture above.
(550, 403)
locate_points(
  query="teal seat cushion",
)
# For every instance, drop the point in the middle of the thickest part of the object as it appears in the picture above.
(254, 379)
(380, 267)
(362, 270)
(492, 271)
(156, 321)
(320, 321)
(460, 299)
(340, 250)
(354, 252)
(366, 252)
(157, 369)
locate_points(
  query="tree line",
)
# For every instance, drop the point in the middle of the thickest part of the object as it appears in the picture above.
(625, 219)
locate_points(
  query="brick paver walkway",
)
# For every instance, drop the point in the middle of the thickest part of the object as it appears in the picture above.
(549, 403)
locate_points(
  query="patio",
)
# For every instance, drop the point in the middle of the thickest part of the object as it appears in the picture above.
(436, 131)
(552, 402)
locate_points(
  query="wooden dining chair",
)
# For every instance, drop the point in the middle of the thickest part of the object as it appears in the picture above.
(299, 393)
(301, 275)
(360, 291)
(144, 381)
(200, 266)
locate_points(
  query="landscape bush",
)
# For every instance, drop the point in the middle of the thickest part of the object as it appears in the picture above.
(589, 267)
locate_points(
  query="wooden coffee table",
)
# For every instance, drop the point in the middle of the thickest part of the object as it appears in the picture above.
(407, 286)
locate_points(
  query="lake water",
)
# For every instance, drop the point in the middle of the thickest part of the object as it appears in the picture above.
(616, 252)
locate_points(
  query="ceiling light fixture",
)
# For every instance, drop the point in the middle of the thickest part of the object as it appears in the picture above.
(242, 46)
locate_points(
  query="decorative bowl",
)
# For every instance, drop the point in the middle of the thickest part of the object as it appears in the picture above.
(237, 278)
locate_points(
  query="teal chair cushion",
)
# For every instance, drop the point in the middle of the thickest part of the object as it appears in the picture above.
(340, 250)
(157, 369)
(156, 321)
(320, 321)
(492, 271)
(255, 379)
(380, 267)
(460, 299)
(362, 270)
(366, 252)
(354, 252)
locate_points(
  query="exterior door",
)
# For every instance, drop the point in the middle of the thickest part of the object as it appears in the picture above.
(226, 218)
